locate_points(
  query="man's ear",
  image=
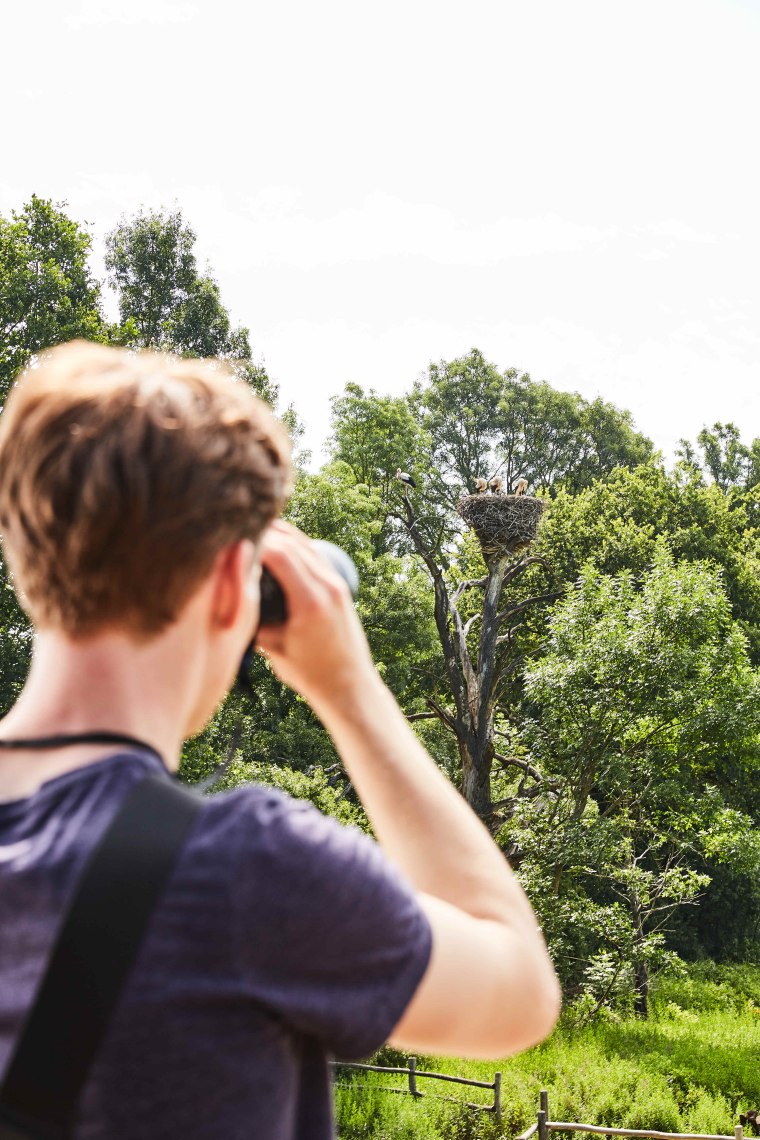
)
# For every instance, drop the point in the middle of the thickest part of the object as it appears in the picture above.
(232, 578)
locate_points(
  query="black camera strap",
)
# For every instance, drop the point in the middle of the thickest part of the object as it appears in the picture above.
(93, 954)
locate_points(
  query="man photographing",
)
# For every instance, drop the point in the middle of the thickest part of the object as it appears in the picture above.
(139, 498)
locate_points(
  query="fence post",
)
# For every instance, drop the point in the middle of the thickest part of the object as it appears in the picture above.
(497, 1096)
(544, 1103)
(738, 1132)
(413, 1076)
(543, 1131)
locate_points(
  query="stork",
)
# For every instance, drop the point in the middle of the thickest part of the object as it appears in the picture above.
(521, 486)
(481, 485)
(496, 486)
(405, 477)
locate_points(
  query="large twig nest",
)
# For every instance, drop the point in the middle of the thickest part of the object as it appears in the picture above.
(504, 524)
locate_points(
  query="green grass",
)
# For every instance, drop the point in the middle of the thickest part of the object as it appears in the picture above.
(692, 1067)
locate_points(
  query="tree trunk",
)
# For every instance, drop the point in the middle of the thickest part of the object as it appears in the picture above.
(640, 965)
(476, 748)
(473, 684)
(476, 777)
(641, 996)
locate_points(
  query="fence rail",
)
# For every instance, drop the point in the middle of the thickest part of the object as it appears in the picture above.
(412, 1073)
(543, 1126)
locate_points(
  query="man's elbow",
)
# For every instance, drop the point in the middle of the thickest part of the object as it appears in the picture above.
(536, 1004)
(518, 1023)
(547, 1006)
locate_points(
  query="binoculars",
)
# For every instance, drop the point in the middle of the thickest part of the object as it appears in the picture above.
(273, 607)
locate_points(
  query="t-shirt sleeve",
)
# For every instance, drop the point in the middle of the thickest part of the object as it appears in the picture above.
(328, 933)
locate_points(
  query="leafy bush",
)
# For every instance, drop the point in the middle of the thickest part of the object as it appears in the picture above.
(313, 786)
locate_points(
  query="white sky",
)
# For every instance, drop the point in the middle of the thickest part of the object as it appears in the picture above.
(570, 185)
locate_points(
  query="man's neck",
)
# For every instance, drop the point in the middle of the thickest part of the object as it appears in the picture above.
(108, 682)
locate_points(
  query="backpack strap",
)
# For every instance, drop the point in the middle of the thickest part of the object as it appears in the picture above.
(94, 952)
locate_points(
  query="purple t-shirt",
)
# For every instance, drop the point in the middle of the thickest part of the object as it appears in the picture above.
(280, 939)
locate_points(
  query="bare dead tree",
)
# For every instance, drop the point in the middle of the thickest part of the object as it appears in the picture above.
(476, 678)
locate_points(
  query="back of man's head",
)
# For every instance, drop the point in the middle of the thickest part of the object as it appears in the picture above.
(122, 476)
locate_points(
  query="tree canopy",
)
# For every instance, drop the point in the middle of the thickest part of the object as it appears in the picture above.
(48, 294)
(721, 454)
(165, 303)
(483, 422)
(643, 716)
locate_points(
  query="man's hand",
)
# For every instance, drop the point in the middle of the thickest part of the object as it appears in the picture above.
(321, 650)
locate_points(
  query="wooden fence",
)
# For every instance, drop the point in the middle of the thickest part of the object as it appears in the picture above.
(544, 1125)
(413, 1074)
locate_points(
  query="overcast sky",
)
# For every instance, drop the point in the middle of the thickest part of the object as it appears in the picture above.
(570, 185)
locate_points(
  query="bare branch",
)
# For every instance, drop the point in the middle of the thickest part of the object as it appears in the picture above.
(469, 584)
(457, 662)
(523, 765)
(465, 660)
(500, 804)
(346, 789)
(519, 568)
(444, 715)
(520, 607)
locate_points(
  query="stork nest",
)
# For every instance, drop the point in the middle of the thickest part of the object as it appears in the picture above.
(504, 524)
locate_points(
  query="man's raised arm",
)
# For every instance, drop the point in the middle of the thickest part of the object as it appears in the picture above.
(490, 988)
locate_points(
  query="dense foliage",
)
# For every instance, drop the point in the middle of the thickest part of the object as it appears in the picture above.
(642, 715)
(166, 303)
(621, 738)
(47, 292)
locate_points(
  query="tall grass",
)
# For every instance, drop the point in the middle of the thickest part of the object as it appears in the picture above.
(692, 1067)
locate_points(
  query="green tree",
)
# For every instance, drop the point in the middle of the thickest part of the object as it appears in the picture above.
(720, 453)
(482, 422)
(152, 267)
(375, 436)
(616, 522)
(467, 420)
(47, 293)
(166, 303)
(461, 689)
(15, 643)
(47, 296)
(559, 439)
(643, 717)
